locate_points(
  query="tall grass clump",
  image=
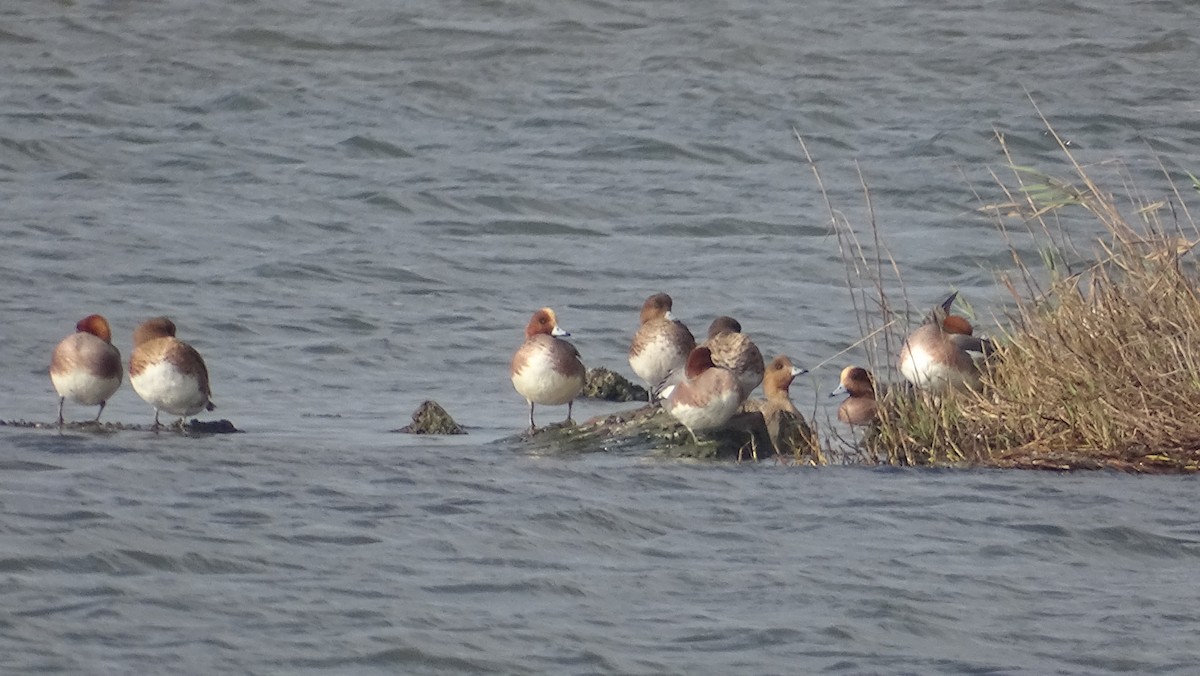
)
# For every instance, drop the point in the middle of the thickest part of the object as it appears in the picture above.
(1102, 366)
(1098, 362)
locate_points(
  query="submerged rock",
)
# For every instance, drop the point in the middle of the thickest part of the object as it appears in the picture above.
(179, 427)
(221, 426)
(431, 418)
(612, 386)
(651, 430)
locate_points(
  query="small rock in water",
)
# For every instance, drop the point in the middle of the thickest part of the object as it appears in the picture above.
(611, 386)
(221, 426)
(431, 418)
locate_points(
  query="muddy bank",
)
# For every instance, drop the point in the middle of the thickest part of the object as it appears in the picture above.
(652, 431)
(179, 427)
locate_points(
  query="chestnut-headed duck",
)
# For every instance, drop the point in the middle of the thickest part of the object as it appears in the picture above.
(86, 367)
(708, 396)
(942, 352)
(734, 350)
(545, 369)
(776, 381)
(778, 406)
(661, 345)
(167, 372)
(860, 407)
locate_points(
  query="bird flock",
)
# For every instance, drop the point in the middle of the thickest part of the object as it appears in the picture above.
(705, 385)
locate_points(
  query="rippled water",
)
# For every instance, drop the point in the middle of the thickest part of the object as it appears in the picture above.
(352, 207)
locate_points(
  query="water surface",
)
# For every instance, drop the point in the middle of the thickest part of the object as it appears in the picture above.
(353, 207)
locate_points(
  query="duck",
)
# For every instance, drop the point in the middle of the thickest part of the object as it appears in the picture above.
(546, 369)
(167, 373)
(776, 381)
(943, 353)
(708, 396)
(86, 367)
(860, 408)
(661, 344)
(733, 350)
(779, 413)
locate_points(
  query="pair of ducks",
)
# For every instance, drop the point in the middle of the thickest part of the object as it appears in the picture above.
(701, 386)
(941, 354)
(166, 372)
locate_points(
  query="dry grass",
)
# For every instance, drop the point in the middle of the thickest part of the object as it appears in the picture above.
(1098, 367)
(1103, 366)
(804, 441)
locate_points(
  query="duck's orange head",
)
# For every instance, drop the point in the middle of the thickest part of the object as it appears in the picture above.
(957, 324)
(544, 321)
(158, 327)
(96, 325)
(699, 361)
(857, 381)
(780, 373)
(656, 306)
(951, 323)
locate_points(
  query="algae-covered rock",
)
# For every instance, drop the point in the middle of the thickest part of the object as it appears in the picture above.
(431, 418)
(221, 426)
(178, 427)
(651, 430)
(81, 426)
(612, 386)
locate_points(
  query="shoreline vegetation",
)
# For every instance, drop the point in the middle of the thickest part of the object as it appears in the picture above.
(1097, 363)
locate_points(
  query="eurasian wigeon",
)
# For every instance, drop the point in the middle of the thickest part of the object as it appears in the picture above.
(942, 352)
(708, 396)
(860, 407)
(734, 350)
(545, 369)
(661, 345)
(86, 367)
(776, 381)
(167, 372)
(777, 407)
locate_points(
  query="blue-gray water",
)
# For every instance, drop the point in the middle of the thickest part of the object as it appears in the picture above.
(352, 207)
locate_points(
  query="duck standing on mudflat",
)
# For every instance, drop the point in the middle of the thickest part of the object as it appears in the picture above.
(86, 366)
(547, 370)
(167, 373)
(708, 396)
(661, 345)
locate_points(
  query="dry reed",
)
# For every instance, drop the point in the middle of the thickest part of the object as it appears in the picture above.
(1098, 367)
